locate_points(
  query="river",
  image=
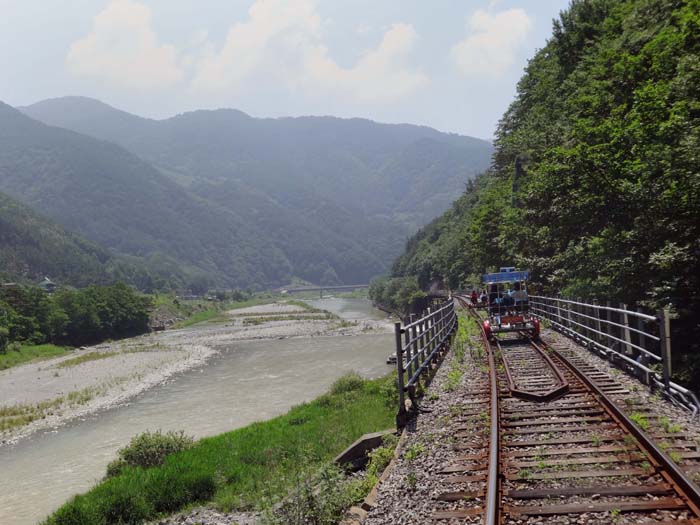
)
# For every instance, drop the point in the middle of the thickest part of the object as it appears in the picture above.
(248, 381)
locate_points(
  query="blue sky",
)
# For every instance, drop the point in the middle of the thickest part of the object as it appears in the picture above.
(449, 64)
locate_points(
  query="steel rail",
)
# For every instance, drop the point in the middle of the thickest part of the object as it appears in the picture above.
(492, 511)
(689, 491)
(561, 388)
(491, 516)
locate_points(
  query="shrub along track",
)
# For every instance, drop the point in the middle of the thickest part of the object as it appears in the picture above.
(557, 449)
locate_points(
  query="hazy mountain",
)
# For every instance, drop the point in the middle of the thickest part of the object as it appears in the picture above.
(401, 173)
(32, 247)
(110, 196)
(322, 198)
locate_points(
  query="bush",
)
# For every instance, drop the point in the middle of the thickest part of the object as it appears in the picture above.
(348, 383)
(149, 450)
(318, 499)
(389, 389)
(14, 347)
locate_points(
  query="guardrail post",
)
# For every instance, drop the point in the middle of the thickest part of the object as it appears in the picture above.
(401, 415)
(423, 340)
(579, 328)
(558, 303)
(626, 329)
(598, 327)
(665, 344)
(611, 329)
(643, 358)
(414, 347)
(426, 327)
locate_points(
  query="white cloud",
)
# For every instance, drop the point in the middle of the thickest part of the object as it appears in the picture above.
(492, 41)
(281, 42)
(123, 48)
(380, 73)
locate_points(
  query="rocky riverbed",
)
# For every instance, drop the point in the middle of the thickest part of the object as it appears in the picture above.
(48, 393)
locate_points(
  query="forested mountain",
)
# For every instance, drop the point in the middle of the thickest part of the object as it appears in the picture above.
(32, 247)
(112, 197)
(606, 126)
(219, 228)
(307, 182)
(378, 169)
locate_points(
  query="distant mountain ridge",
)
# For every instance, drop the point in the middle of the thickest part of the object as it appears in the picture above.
(377, 169)
(259, 200)
(33, 247)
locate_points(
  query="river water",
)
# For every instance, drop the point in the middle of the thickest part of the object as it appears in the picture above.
(249, 381)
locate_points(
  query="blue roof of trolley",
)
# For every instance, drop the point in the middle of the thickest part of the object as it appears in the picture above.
(505, 277)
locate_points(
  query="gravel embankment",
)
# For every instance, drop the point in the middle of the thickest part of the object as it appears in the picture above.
(408, 494)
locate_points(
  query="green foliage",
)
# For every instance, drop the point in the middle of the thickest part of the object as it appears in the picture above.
(606, 128)
(149, 450)
(400, 294)
(240, 469)
(454, 376)
(414, 451)
(348, 383)
(28, 316)
(323, 497)
(27, 353)
(641, 420)
(320, 499)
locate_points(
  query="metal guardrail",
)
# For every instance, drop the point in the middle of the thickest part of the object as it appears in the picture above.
(419, 343)
(633, 338)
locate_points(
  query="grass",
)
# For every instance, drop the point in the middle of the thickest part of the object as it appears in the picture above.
(201, 310)
(90, 356)
(270, 318)
(16, 416)
(671, 428)
(641, 420)
(254, 301)
(29, 353)
(199, 317)
(454, 377)
(414, 451)
(239, 469)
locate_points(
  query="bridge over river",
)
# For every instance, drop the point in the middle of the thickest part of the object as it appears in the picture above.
(321, 289)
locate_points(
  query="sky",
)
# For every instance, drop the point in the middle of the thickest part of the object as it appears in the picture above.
(449, 64)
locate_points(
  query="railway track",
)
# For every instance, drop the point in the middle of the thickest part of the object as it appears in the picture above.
(544, 441)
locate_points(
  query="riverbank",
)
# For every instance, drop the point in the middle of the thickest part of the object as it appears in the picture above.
(49, 393)
(249, 468)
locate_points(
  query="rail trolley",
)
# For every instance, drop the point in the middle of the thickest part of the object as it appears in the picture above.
(508, 306)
